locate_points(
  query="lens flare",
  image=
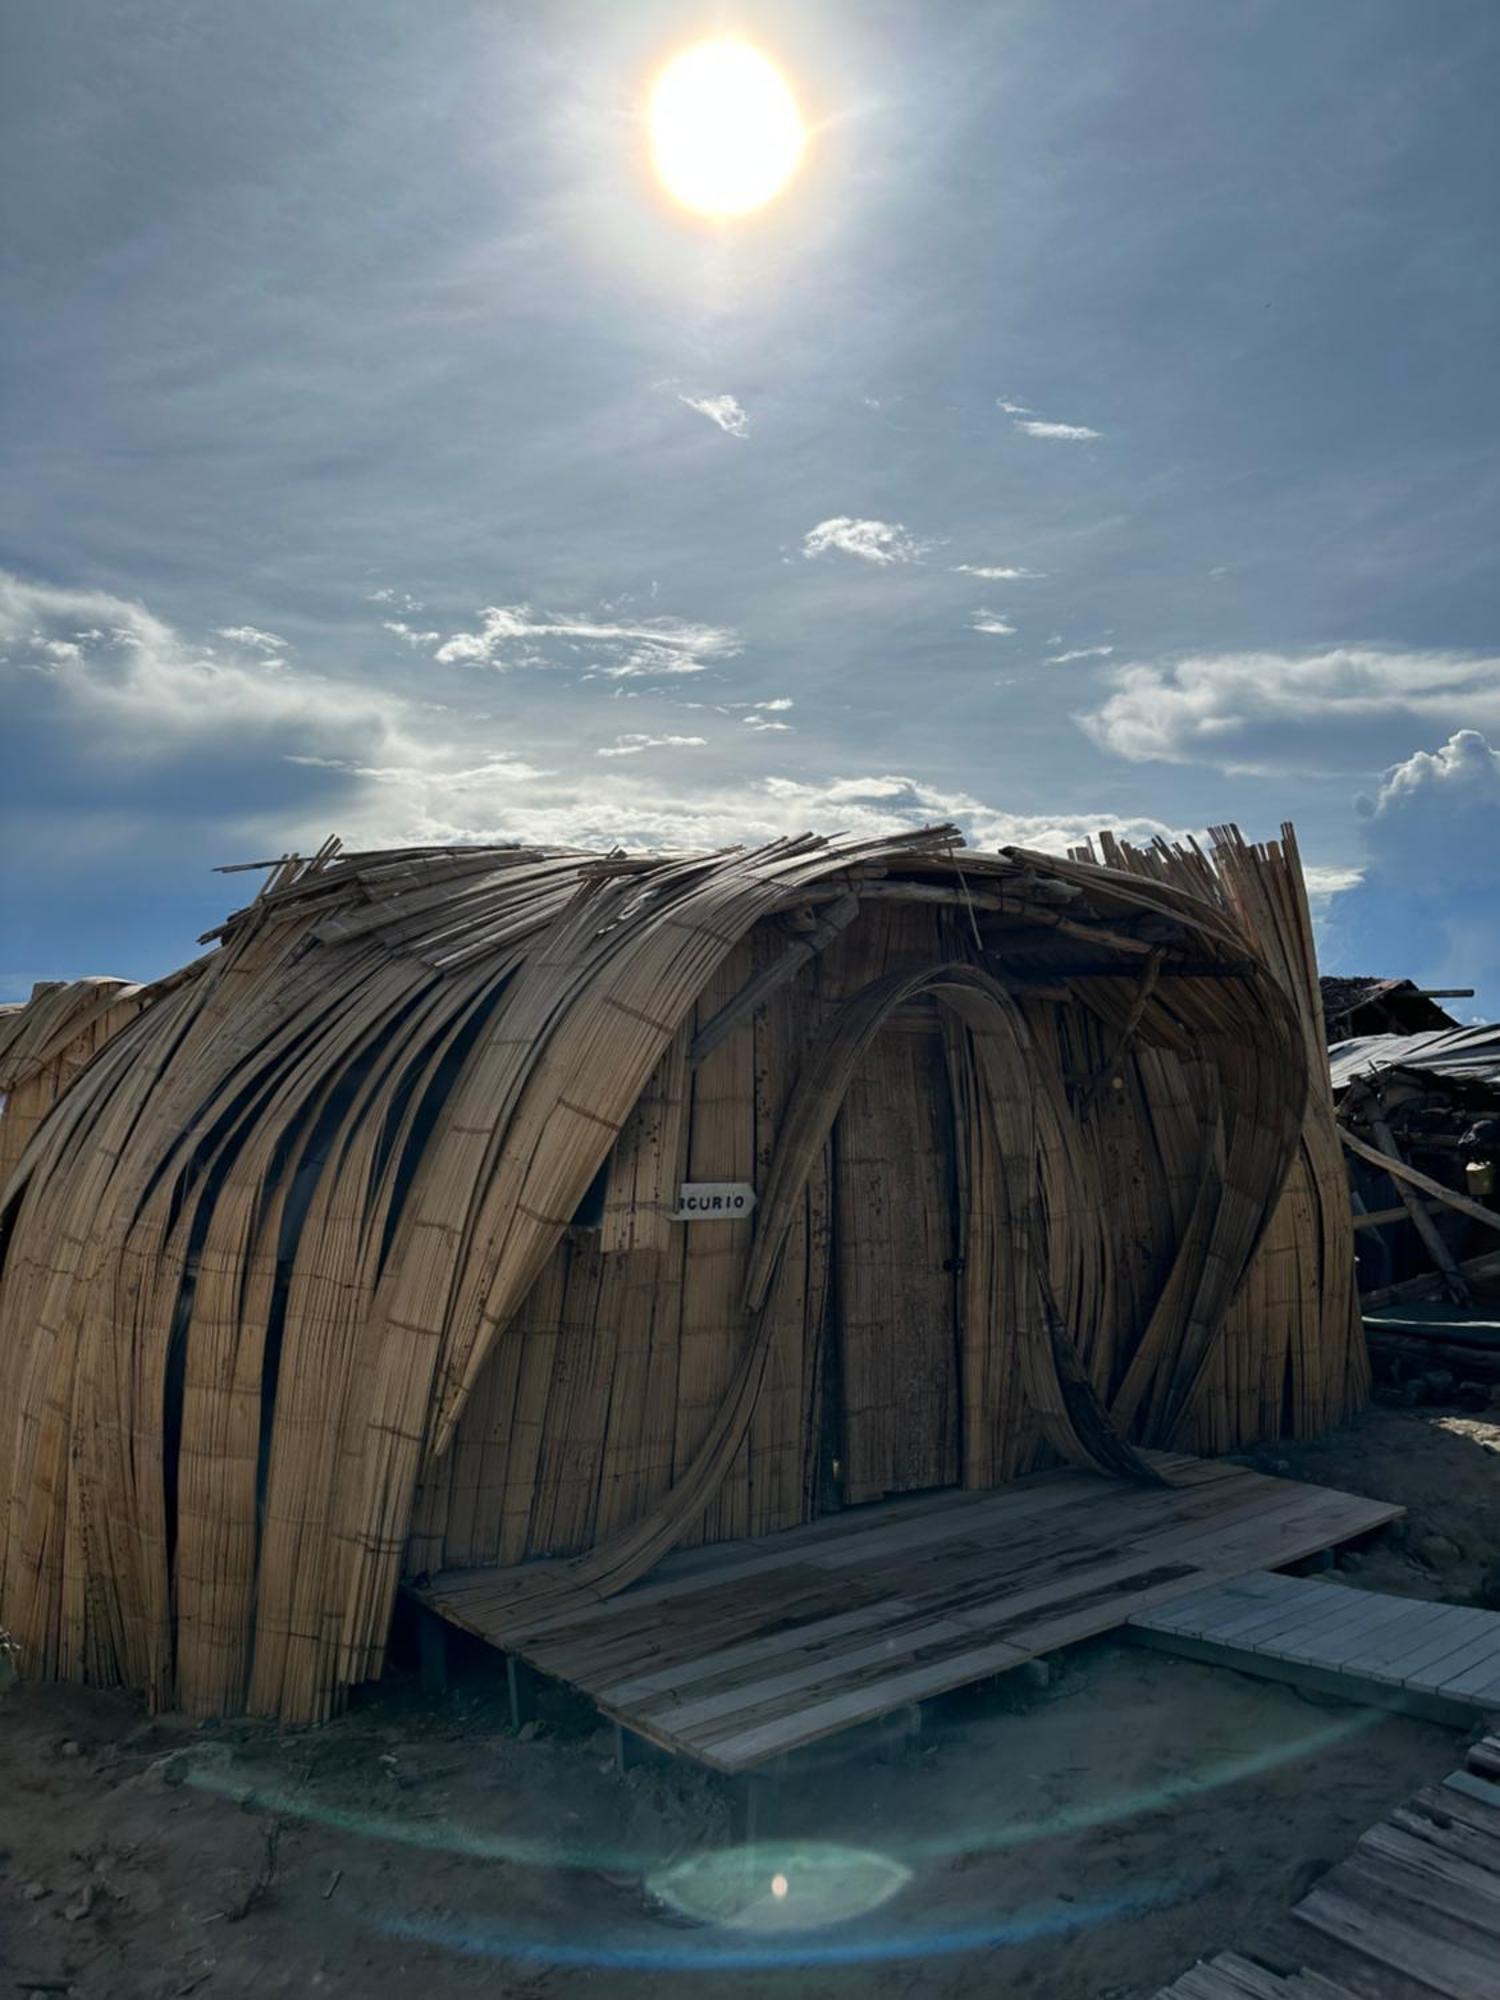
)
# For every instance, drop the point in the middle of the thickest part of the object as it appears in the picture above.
(726, 134)
(799, 1886)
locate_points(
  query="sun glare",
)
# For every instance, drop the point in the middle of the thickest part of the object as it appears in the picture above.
(726, 134)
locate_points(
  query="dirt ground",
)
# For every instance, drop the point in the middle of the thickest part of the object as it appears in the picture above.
(1082, 1841)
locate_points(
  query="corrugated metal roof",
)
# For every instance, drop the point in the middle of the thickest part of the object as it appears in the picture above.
(1468, 1055)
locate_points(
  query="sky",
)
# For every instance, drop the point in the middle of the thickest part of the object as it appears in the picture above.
(1100, 430)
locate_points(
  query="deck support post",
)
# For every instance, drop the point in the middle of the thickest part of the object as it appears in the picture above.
(631, 1750)
(520, 1686)
(753, 1802)
(432, 1651)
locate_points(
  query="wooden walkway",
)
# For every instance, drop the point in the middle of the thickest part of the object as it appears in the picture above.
(736, 1653)
(1413, 1912)
(1441, 1660)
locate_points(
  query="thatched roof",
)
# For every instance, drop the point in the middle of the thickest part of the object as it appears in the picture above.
(1355, 1005)
(258, 1255)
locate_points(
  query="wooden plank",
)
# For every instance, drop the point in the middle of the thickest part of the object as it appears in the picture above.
(1339, 1644)
(1454, 1801)
(1456, 1674)
(764, 1640)
(1302, 1610)
(1450, 1836)
(704, 1665)
(1335, 1614)
(808, 1725)
(1425, 1864)
(1237, 1612)
(1438, 1896)
(1440, 1964)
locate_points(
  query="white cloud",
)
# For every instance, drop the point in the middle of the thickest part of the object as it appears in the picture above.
(872, 541)
(1349, 707)
(156, 735)
(766, 714)
(993, 623)
(885, 803)
(632, 746)
(512, 635)
(612, 807)
(1062, 433)
(1463, 772)
(251, 637)
(409, 634)
(151, 732)
(1426, 907)
(133, 673)
(1079, 653)
(1025, 419)
(997, 575)
(402, 599)
(1330, 879)
(725, 411)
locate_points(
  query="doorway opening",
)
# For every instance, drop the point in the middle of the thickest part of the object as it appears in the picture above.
(892, 1397)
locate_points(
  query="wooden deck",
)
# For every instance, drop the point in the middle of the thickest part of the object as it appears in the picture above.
(736, 1653)
(1413, 1912)
(1398, 1652)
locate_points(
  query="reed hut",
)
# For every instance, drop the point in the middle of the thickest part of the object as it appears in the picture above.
(545, 1210)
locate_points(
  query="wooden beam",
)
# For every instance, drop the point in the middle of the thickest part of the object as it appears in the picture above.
(937, 892)
(1427, 1282)
(1400, 1172)
(1387, 1154)
(757, 991)
(1378, 1218)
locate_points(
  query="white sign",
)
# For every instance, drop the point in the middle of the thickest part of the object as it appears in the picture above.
(713, 1201)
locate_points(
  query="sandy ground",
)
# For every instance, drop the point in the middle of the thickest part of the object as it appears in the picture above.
(1085, 1841)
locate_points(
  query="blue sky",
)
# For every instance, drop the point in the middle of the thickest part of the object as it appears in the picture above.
(385, 455)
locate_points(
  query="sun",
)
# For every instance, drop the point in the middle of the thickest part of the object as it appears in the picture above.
(726, 134)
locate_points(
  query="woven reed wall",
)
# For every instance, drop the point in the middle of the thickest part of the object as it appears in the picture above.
(48, 1042)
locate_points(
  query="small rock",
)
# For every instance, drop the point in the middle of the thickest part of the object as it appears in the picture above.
(1437, 1551)
(601, 1743)
(1282, 1467)
(173, 1768)
(33, 1892)
(70, 1749)
(528, 1731)
(1350, 1559)
(81, 1904)
(1439, 1381)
